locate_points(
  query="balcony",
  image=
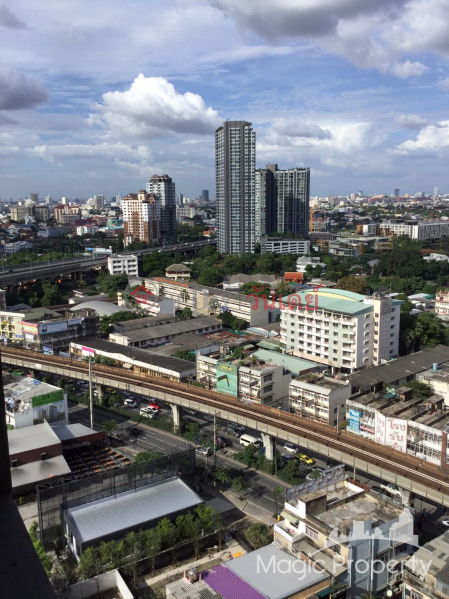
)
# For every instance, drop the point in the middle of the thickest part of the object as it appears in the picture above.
(288, 531)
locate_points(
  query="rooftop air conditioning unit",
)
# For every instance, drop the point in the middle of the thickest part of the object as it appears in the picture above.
(44, 456)
(14, 463)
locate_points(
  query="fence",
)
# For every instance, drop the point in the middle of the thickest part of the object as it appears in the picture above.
(52, 500)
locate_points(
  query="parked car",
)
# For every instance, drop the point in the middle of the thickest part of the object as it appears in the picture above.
(204, 451)
(445, 523)
(130, 402)
(286, 457)
(305, 459)
(312, 476)
(147, 413)
(134, 431)
(233, 427)
(189, 412)
(208, 417)
(291, 448)
(154, 407)
(154, 402)
(375, 490)
(392, 489)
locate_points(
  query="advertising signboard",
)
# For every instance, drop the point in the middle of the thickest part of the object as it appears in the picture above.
(87, 351)
(227, 379)
(47, 350)
(396, 434)
(52, 327)
(379, 428)
(30, 327)
(47, 398)
(354, 421)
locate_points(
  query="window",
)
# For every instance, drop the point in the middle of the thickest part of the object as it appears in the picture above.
(311, 533)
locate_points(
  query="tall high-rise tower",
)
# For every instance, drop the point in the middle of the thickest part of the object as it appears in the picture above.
(293, 193)
(266, 200)
(163, 187)
(235, 161)
(141, 218)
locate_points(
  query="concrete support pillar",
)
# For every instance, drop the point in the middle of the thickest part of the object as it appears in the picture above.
(100, 393)
(177, 417)
(444, 456)
(268, 443)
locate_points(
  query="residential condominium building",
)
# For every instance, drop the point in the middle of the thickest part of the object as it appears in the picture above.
(141, 218)
(293, 193)
(345, 330)
(431, 229)
(266, 200)
(442, 303)
(235, 161)
(209, 301)
(123, 264)
(278, 245)
(163, 187)
(320, 398)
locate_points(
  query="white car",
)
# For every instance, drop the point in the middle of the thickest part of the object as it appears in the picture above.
(205, 451)
(290, 448)
(318, 470)
(392, 489)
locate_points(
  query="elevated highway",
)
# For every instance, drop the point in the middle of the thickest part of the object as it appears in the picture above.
(410, 473)
(43, 270)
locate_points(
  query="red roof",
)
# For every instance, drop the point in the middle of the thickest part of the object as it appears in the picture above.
(293, 276)
(141, 294)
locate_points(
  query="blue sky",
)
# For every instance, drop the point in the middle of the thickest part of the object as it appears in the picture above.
(95, 97)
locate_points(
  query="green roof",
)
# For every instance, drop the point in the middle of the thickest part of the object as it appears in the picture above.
(296, 365)
(335, 300)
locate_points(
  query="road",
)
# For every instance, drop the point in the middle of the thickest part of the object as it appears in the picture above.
(39, 270)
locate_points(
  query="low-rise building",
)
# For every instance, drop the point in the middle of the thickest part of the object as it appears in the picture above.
(29, 401)
(438, 378)
(303, 262)
(236, 281)
(397, 419)
(51, 336)
(209, 301)
(251, 379)
(347, 531)
(320, 398)
(140, 361)
(431, 229)
(442, 303)
(123, 264)
(166, 333)
(152, 304)
(426, 573)
(11, 328)
(278, 245)
(435, 257)
(87, 230)
(178, 272)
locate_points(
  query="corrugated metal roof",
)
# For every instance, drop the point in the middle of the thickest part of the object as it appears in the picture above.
(295, 365)
(39, 471)
(112, 514)
(229, 584)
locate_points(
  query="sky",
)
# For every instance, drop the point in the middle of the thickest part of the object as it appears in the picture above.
(95, 97)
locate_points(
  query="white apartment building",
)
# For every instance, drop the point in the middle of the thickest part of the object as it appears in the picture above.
(187, 211)
(29, 401)
(431, 229)
(252, 380)
(345, 330)
(98, 203)
(434, 256)
(442, 303)
(235, 162)
(278, 245)
(87, 230)
(320, 398)
(123, 264)
(303, 262)
(141, 218)
(209, 301)
(17, 246)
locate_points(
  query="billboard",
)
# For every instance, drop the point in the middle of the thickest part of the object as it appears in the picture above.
(354, 421)
(379, 428)
(396, 434)
(87, 351)
(47, 350)
(52, 327)
(47, 398)
(228, 379)
(30, 327)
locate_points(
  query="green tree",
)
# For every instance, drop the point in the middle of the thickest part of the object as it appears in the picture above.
(206, 517)
(111, 284)
(147, 456)
(108, 426)
(167, 533)
(185, 314)
(282, 289)
(184, 355)
(354, 284)
(222, 476)
(88, 563)
(258, 535)
(420, 389)
(106, 322)
(238, 484)
(210, 277)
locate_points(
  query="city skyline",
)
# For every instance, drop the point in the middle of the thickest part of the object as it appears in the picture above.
(358, 93)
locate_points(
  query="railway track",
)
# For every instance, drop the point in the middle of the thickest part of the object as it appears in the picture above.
(358, 447)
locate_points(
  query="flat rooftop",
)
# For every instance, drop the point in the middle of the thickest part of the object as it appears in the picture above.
(28, 438)
(39, 471)
(113, 514)
(25, 388)
(295, 365)
(363, 508)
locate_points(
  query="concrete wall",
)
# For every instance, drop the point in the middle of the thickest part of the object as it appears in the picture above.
(99, 584)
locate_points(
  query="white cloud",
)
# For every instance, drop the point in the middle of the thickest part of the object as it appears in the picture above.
(409, 69)
(115, 151)
(153, 108)
(299, 128)
(9, 20)
(412, 121)
(444, 83)
(432, 138)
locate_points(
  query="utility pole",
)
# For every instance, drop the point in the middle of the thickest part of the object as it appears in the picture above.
(275, 460)
(91, 396)
(215, 439)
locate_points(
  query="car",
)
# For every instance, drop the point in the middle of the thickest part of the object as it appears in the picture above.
(286, 458)
(189, 412)
(131, 404)
(312, 476)
(208, 417)
(204, 451)
(134, 431)
(147, 413)
(236, 428)
(445, 523)
(154, 402)
(392, 489)
(305, 459)
(291, 448)
(223, 442)
(154, 407)
(117, 404)
(375, 490)
(129, 401)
